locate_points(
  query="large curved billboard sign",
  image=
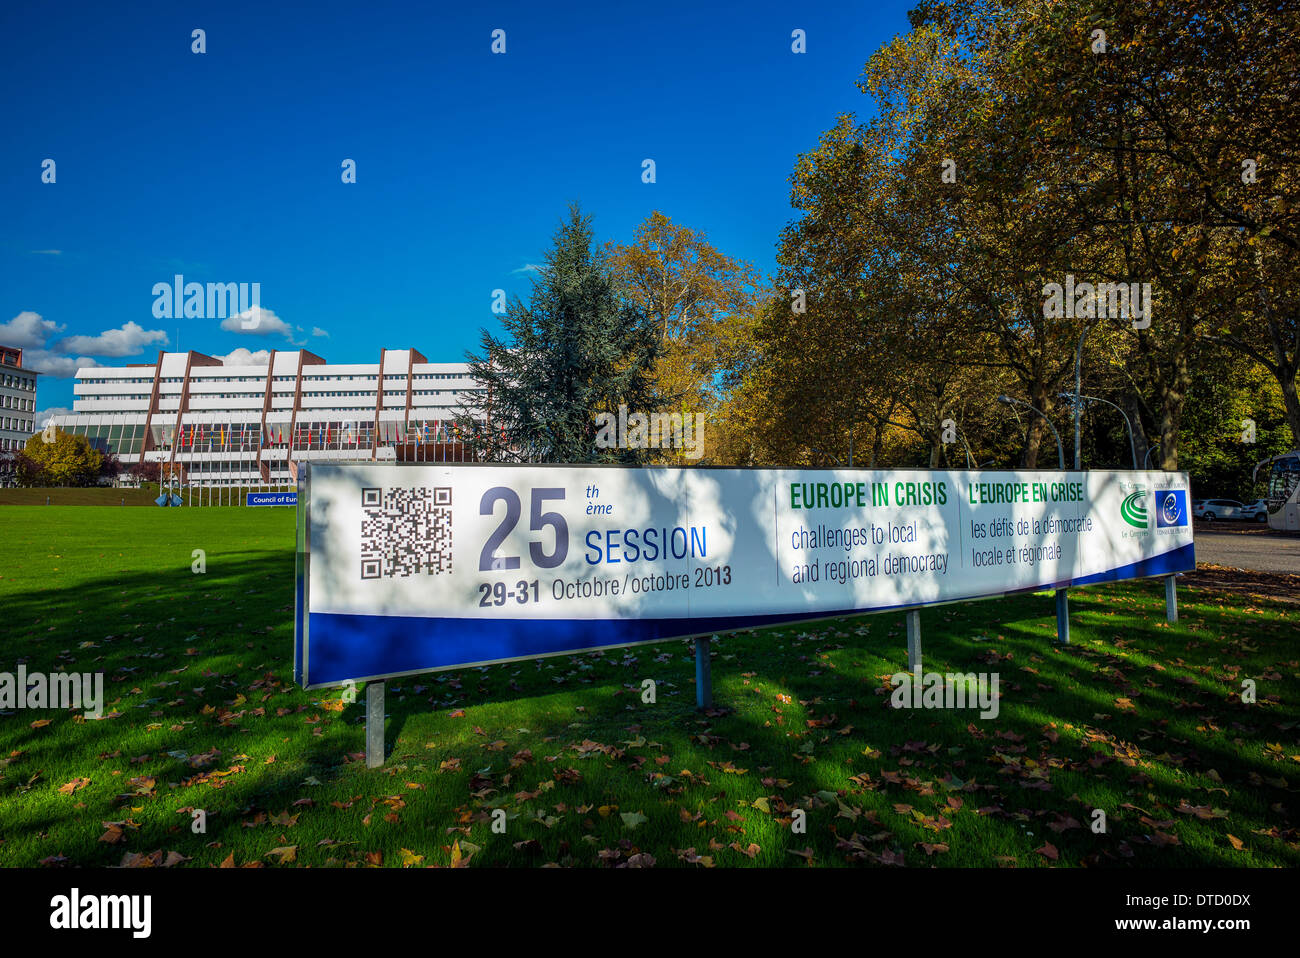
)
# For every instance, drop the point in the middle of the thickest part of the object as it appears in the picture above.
(408, 568)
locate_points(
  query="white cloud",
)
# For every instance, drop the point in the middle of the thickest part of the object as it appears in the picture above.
(242, 357)
(527, 268)
(46, 252)
(127, 341)
(28, 330)
(45, 415)
(317, 331)
(54, 365)
(257, 322)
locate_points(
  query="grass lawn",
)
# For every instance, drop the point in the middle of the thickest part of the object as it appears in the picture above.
(1140, 719)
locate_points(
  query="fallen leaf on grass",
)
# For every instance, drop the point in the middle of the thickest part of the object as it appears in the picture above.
(689, 856)
(459, 859)
(112, 835)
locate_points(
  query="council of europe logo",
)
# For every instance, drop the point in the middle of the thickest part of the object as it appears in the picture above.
(1171, 508)
(1133, 509)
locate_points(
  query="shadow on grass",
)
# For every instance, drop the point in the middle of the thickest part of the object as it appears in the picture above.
(230, 633)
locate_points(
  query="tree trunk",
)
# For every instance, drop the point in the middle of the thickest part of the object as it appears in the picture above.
(1033, 442)
(1292, 409)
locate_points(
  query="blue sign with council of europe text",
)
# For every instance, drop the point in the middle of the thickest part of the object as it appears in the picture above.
(1171, 508)
(271, 499)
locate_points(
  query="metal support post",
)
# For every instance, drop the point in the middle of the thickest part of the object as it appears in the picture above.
(374, 724)
(1063, 616)
(703, 675)
(914, 640)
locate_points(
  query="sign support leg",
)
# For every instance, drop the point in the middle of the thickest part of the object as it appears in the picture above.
(1063, 616)
(703, 675)
(1171, 599)
(914, 640)
(374, 724)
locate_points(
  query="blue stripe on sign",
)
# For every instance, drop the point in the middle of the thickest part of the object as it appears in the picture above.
(1182, 559)
(352, 646)
(345, 646)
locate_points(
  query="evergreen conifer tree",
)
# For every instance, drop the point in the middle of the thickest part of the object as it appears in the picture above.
(579, 347)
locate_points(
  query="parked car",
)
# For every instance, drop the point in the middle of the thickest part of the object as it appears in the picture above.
(1257, 510)
(1212, 509)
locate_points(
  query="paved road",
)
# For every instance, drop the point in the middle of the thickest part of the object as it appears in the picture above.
(1248, 548)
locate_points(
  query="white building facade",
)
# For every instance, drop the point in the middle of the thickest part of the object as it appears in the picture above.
(225, 425)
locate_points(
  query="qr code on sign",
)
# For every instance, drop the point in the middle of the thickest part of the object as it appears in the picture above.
(405, 532)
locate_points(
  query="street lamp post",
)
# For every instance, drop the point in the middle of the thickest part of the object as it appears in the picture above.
(1060, 449)
(1078, 386)
(1078, 400)
(827, 455)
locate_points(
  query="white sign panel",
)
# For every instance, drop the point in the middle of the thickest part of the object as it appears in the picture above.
(407, 568)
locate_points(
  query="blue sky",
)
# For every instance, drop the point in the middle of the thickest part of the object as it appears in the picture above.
(225, 166)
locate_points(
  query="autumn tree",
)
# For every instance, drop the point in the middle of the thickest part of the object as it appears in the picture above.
(68, 460)
(700, 302)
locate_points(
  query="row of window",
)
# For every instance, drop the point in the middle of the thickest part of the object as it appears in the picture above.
(17, 402)
(20, 382)
(199, 377)
(128, 438)
(198, 394)
(21, 425)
